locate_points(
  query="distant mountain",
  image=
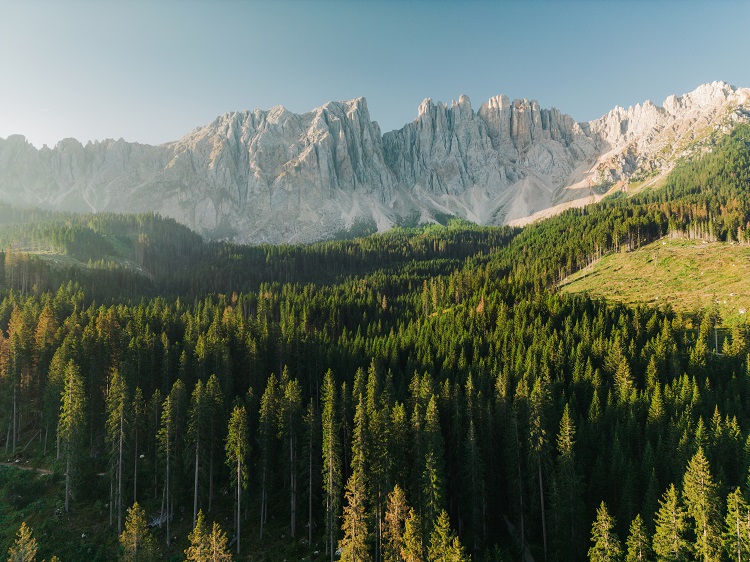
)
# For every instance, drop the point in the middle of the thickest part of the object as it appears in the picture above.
(276, 176)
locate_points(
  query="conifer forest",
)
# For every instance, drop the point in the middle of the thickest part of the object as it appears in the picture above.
(423, 394)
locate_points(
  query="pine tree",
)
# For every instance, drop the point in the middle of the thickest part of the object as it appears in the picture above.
(397, 510)
(71, 424)
(166, 438)
(215, 412)
(354, 545)
(170, 439)
(24, 548)
(701, 505)
(474, 482)
(237, 451)
(444, 544)
(737, 527)
(433, 476)
(205, 546)
(331, 460)
(218, 545)
(139, 418)
(198, 551)
(412, 544)
(136, 541)
(378, 408)
(567, 491)
(290, 421)
(311, 448)
(198, 421)
(669, 542)
(637, 545)
(606, 547)
(538, 446)
(116, 405)
(269, 408)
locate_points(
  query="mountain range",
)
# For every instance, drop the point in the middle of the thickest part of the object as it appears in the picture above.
(275, 176)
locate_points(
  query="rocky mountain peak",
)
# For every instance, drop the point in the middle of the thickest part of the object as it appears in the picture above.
(277, 176)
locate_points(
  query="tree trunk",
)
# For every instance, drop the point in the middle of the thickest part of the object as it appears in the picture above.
(211, 480)
(111, 497)
(195, 486)
(541, 500)
(68, 465)
(135, 468)
(329, 508)
(309, 494)
(292, 487)
(15, 419)
(263, 500)
(166, 489)
(119, 471)
(239, 493)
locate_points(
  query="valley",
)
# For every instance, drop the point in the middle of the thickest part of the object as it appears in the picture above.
(443, 390)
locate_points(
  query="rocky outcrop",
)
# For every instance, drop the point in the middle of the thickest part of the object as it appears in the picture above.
(275, 176)
(491, 165)
(647, 139)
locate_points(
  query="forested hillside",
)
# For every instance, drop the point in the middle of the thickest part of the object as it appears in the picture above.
(423, 394)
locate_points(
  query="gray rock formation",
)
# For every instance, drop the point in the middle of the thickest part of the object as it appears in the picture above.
(275, 176)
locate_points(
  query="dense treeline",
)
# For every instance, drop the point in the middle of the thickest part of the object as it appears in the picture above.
(148, 255)
(504, 402)
(416, 395)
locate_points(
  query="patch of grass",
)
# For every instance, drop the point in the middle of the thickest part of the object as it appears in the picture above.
(689, 275)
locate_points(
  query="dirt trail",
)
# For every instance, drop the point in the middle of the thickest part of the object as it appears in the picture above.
(22, 467)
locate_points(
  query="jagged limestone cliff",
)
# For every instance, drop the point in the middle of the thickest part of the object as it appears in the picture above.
(275, 176)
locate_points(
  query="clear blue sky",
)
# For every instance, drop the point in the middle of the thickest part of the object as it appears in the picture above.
(150, 71)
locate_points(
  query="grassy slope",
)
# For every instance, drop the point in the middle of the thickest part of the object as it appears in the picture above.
(687, 274)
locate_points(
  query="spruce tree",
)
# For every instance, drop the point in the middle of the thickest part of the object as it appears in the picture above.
(117, 406)
(269, 409)
(397, 510)
(136, 541)
(290, 428)
(737, 527)
(538, 446)
(139, 415)
(638, 548)
(606, 544)
(355, 543)
(237, 445)
(198, 420)
(699, 492)
(218, 545)
(669, 542)
(198, 551)
(433, 476)
(71, 424)
(567, 491)
(444, 544)
(412, 544)
(331, 460)
(216, 415)
(205, 546)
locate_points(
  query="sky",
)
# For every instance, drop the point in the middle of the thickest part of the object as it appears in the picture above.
(150, 71)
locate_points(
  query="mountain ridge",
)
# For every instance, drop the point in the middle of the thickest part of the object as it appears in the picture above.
(276, 176)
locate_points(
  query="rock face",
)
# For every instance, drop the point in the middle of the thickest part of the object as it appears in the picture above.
(276, 176)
